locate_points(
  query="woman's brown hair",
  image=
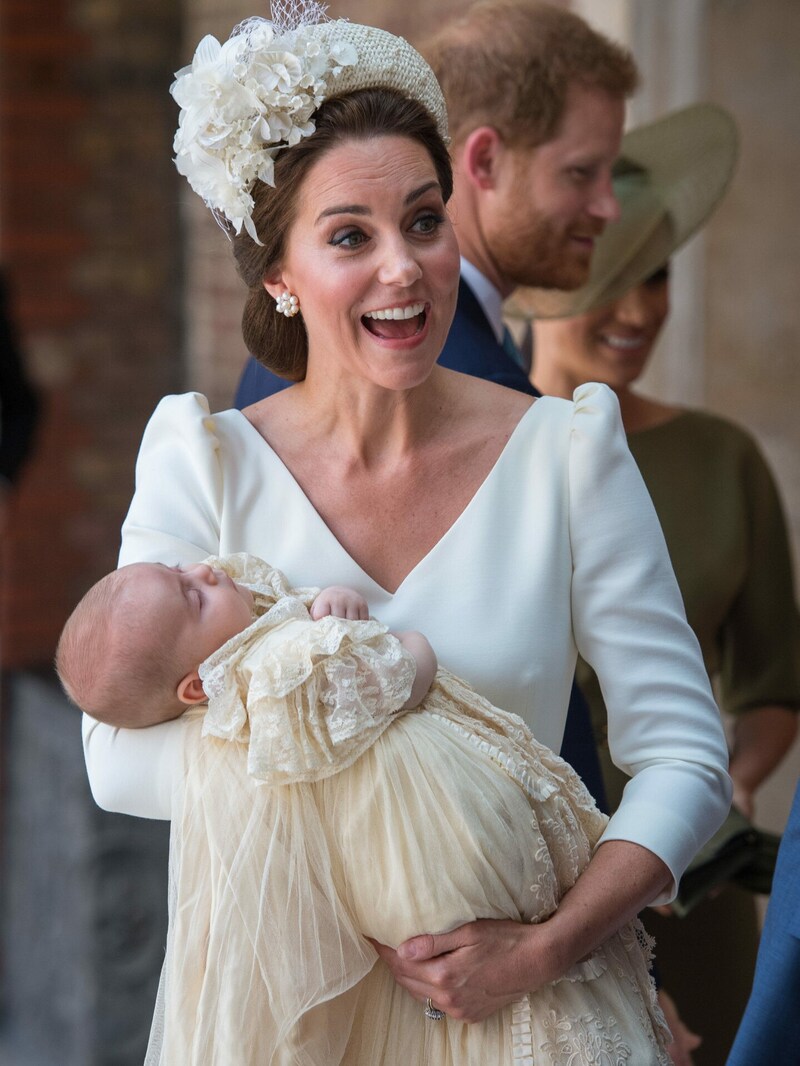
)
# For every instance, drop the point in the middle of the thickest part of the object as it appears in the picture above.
(278, 342)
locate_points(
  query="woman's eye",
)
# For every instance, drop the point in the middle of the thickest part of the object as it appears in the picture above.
(351, 238)
(660, 277)
(428, 223)
(197, 595)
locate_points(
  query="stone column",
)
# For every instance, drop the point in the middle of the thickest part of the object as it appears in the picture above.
(84, 899)
(669, 42)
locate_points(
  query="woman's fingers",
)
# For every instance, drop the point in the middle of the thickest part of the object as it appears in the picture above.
(428, 946)
(684, 1041)
(469, 973)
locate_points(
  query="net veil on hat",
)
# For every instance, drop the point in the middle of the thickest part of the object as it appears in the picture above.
(669, 178)
(245, 100)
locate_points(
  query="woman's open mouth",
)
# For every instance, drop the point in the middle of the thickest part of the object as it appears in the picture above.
(396, 323)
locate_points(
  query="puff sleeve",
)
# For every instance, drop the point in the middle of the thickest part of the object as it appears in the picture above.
(173, 518)
(630, 626)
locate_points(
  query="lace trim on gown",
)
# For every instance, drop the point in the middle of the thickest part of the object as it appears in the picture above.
(566, 811)
(546, 779)
(308, 698)
(255, 866)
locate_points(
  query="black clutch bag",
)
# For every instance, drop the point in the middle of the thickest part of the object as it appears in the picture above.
(738, 853)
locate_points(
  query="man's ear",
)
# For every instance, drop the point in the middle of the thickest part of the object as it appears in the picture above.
(190, 689)
(480, 156)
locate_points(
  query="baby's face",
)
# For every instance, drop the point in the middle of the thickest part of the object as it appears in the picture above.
(196, 607)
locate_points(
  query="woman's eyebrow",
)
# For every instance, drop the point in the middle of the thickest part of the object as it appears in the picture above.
(415, 195)
(344, 209)
(362, 209)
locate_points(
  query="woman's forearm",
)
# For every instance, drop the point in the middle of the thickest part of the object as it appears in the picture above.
(619, 882)
(761, 738)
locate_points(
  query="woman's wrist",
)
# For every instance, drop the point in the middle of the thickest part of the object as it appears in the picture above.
(761, 738)
(621, 880)
(544, 952)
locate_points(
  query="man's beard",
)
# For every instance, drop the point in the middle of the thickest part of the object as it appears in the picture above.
(541, 255)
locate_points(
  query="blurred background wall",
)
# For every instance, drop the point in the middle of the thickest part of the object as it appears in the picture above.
(123, 290)
(90, 239)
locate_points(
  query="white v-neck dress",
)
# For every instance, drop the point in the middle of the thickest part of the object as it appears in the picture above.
(558, 552)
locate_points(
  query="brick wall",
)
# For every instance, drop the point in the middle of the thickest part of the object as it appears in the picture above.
(89, 235)
(103, 273)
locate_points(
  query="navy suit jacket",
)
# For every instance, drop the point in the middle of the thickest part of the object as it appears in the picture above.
(769, 1034)
(472, 348)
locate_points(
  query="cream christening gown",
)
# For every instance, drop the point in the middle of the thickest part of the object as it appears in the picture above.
(315, 814)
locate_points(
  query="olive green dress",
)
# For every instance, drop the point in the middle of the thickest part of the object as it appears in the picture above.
(727, 538)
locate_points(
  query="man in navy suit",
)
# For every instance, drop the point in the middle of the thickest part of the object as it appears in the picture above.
(770, 1028)
(536, 102)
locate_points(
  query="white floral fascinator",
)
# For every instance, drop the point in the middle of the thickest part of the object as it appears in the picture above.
(244, 100)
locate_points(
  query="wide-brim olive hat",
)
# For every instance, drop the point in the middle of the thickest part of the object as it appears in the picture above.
(670, 176)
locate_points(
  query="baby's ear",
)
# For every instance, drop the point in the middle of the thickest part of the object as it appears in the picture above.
(190, 689)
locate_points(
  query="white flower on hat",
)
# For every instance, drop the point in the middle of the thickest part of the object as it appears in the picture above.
(244, 100)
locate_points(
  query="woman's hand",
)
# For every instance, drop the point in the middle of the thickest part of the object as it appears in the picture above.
(478, 968)
(761, 738)
(340, 602)
(684, 1041)
(474, 970)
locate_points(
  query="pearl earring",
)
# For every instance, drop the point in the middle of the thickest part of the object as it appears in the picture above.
(287, 304)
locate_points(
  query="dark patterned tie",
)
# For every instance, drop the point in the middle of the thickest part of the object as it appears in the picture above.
(521, 358)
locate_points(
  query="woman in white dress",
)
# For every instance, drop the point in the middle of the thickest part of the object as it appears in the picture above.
(515, 533)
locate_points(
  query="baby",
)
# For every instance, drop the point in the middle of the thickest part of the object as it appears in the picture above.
(131, 651)
(312, 815)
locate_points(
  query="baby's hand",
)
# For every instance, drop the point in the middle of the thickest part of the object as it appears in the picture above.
(341, 603)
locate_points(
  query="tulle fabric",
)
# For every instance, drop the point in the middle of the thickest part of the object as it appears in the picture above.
(307, 698)
(259, 933)
(449, 813)
(439, 822)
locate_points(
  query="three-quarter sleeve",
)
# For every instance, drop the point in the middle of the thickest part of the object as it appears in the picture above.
(173, 519)
(629, 625)
(760, 637)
